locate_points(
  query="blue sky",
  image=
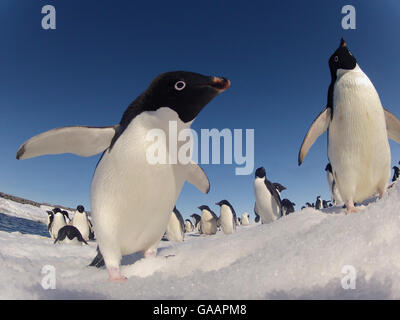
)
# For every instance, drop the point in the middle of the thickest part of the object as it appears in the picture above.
(103, 54)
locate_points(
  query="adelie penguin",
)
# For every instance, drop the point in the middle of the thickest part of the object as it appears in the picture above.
(196, 220)
(176, 227)
(189, 227)
(396, 173)
(132, 198)
(335, 195)
(287, 207)
(268, 201)
(318, 203)
(227, 217)
(358, 131)
(57, 223)
(81, 222)
(208, 220)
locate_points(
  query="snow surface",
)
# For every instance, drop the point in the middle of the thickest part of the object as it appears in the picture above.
(298, 256)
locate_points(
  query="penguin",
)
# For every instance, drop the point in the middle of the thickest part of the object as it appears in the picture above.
(208, 220)
(318, 203)
(91, 230)
(132, 194)
(227, 216)
(238, 221)
(268, 201)
(358, 131)
(309, 205)
(287, 207)
(50, 219)
(66, 216)
(396, 174)
(189, 227)
(325, 204)
(278, 187)
(69, 234)
(57, 224)
(176, 227)
(245, 219)
(335, 195)
(303, 207)
(197, 220)
(80, 221)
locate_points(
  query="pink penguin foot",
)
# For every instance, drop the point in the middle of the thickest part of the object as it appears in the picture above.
(115, 275)
(150, 253)
(350, 208)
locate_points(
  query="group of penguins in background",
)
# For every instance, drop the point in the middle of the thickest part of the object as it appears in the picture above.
(62, 229)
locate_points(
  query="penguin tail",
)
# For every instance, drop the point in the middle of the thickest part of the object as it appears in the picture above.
(98, 260)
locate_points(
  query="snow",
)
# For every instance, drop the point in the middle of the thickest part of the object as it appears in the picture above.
(301, 255)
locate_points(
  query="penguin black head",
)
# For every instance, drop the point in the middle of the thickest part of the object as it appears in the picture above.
(204, 207)
(328, 168)
(65, 213)
(260, 172)
(56, 210)
(278, 186)
(223, 202)
(80, 208)
(342, 58)
(50, 213)
(187, 93)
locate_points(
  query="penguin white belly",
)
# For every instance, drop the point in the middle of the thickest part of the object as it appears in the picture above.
(208, 224)
(188, 227)
(80, 222)
(358, 142)
(267, 209)
(245, 220)
(335, 195)
(227, 221)
(174, 229)
(58, 223)
(131, 198)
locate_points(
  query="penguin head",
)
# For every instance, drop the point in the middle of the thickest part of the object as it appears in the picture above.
(396, 169)
(56, 210)
(65, 214)
(50, 213)
(187, 93)
(80, 208)
(260, 173)
(223, 202)
(204, 207)
(328, 168)
(342, 59)
(278, 186)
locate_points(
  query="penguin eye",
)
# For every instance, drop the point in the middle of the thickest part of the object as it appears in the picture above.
(180, 85)
(336, 58)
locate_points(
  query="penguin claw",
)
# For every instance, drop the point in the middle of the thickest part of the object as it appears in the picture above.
(116, 276)
(350, 208)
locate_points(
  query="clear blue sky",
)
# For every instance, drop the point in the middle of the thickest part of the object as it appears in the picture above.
(103, 54)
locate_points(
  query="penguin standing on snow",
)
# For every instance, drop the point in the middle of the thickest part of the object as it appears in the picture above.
(287, 207)
(80, 221)
(208, 220)
(268, 201)
(318, 203)
(176, 227)
(189, 227)
(227, 217)
(335, 195)
(133, 189)
(69, 234)
(197, 222)
(358, 131)
(57, 224)
(66, 216)
(396, 173)
(245, 219)
(50, 219)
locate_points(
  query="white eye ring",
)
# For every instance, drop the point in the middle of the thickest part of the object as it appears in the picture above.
(336, 58)
(180, 85)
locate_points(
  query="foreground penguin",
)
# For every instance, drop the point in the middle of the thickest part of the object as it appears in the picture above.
(69, 234)
(176, 227)
(268, 201)
(358, 131)
(335, 195)
(227, 217)
(133, 192)
(208, 221)
(80, 221)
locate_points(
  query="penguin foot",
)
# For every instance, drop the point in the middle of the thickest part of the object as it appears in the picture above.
(149, 253)
(115, 275)
(350, 207)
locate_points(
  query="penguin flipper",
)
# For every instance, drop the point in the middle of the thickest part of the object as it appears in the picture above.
(318, 127)
(197, 177)
(98, 260)
(392, 126)
(79, 140)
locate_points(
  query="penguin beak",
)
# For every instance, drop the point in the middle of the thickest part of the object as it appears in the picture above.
(220, 84)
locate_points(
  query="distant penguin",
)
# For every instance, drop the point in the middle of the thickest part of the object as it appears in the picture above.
(69, 234)
(176, 227)
(50, 218)
(196, 222)
(58, 223)
(189, 227)
(80, 221)
(335, 195)
(245, 219)
(238, 221)
(309, 205)
(325, 204)
(208, 220)
(132, 193)
(318, 203)
(66, 217)
(358, 131)
(268, 201)
(287, 207)
(257, 216)
(227, 217)
(278, 187)
(91, 230)
(303, 207)
(396, 173)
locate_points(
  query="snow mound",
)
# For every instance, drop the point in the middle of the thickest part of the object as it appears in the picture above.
(301, 255)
